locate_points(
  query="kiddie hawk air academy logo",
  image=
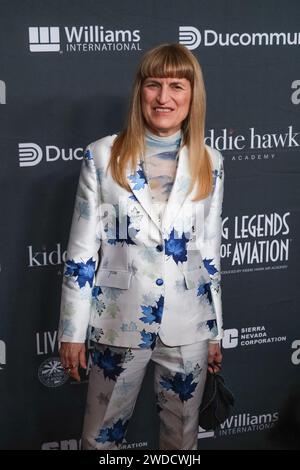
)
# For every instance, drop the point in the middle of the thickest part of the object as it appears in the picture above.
(82, 39)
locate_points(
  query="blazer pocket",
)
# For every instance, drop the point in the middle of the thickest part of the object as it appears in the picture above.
(112, 278)
(196, 277)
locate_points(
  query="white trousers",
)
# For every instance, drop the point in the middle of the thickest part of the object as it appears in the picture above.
(115, 381)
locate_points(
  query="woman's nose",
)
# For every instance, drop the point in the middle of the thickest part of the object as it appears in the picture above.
(163, 95)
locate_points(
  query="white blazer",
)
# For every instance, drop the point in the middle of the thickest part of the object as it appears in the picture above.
(130, 276)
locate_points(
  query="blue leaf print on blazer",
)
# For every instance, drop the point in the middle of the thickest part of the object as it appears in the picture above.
(211, 324)
(109, 363)
(210, 268)
(153, 313)
(96, 292)
(114, 434)
(176, 247)
(182, 385)
(139, 180)
(84, 271)
(205, 289)
(149, 340)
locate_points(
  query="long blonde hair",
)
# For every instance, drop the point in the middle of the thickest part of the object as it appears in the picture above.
(174, 61)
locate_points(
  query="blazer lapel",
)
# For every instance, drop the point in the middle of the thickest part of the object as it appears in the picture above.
(179, 190)
(140, 188)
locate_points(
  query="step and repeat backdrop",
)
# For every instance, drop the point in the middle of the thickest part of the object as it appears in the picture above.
(66, 71)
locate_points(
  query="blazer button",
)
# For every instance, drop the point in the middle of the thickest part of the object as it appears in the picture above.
(159, 281)
(159, 247)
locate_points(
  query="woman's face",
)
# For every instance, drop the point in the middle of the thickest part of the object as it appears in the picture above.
(165, 104)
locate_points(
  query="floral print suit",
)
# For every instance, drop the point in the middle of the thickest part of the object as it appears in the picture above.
(130, 276)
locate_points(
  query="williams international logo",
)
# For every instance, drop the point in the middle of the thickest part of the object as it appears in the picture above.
(82, 39)
(243, 423)
(192, 37)
(44, 39)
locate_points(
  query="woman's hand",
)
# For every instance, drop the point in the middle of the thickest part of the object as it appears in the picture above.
(71, 356)
(214, 357)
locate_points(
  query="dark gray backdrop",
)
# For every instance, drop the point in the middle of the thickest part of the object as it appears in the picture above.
(53, 101)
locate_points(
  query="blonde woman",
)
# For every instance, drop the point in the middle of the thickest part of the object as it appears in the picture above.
(142, 276)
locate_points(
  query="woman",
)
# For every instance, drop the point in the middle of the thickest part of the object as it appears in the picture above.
(142, 276)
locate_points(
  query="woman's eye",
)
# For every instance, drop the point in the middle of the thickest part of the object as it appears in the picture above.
(155, 85)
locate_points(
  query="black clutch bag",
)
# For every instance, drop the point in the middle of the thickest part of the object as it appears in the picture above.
(217, 402)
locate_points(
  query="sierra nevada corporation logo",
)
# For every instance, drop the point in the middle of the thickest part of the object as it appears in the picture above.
(82, 39)
(249, 336)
